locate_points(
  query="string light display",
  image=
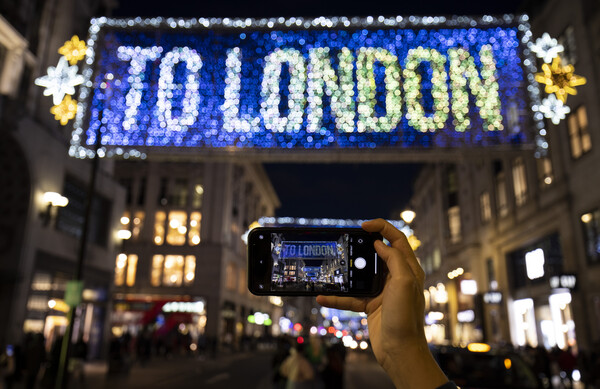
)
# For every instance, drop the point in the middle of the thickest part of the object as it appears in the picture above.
(60, 81)
(324, 83)
(559, 79)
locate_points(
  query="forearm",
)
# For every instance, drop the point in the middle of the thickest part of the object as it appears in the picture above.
(414, 368)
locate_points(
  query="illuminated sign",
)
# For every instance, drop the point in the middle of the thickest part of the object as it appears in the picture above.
(184, 306)
(326, 84)
(566, 281)
(492, 297)
(309, 250)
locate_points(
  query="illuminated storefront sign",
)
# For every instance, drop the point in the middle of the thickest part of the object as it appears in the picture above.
(492, 297)
(306, 84)
(566, 281)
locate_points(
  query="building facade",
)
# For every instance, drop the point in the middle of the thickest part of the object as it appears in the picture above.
(187, 221)
(40, 235)
(511, 243)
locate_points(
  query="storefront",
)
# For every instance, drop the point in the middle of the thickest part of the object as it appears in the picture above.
(540, 309)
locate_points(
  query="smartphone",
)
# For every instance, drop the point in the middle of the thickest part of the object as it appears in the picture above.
(290, 261)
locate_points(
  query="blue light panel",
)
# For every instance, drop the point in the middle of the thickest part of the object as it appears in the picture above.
(348, 87)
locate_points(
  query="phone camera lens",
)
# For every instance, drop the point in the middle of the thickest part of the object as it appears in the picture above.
(260, 237)
(261, 286)
(360, 240)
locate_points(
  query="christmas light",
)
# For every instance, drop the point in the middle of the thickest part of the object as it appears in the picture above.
(559, 79)
(64, 111)
(73, 50)
(60, 81)
(295, 83)
(553, 109)
(546, 48)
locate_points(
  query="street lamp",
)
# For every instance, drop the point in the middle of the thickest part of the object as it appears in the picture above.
(408, 215)
(52, 199)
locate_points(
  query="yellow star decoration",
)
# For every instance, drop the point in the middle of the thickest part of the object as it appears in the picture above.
(559, 79)
(65, 111)
(73, 50)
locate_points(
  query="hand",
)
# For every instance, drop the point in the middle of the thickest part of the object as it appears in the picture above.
(396, 315)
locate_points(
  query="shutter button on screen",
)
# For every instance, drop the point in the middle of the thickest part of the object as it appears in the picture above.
(360, 263)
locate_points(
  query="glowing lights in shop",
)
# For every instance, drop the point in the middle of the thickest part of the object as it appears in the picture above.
(467, 316)
(468, 287)
(534, 262)
(507, 363)
(55, 199)
(281, 83)
(479, 347)
(433, 317)
(587, 217)
(439, 293)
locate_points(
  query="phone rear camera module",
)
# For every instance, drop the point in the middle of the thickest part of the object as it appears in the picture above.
(360, 241)
(261, 286)
(360, 263)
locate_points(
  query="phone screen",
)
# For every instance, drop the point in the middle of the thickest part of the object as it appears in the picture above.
(311, 261)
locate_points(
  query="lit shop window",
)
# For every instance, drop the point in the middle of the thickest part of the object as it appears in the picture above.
(177, 228)
(579, 136)
(125, 269)
(156, 273)
(194, 235)
(173, 270)
(159, 228)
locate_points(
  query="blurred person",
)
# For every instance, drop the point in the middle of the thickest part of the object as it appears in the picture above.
(282, 350)
(396, 316)
(35, 356)
(333, 375)
(297, 369)
(567, 363)
(316, 354)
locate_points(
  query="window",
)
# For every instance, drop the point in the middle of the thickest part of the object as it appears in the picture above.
(231, 276)
(127, 184)
(243, 288)
(141, 199)
(194, 235)
(545, 173)
(567, 40)
(70, 219)
(197, 196)
(486, 208)
(162, 192)
(137, 224)
(179, 194)
(501, 200)
(173, 270)
(579, 136)
(519, 181)
(454, 223)
(159, 227)
(125, 269)
(591, 235)
(177, 229)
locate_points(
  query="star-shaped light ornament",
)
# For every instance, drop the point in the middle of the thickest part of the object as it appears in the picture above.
(546, 48)
(65, 111)
(60, 81)
(74, 50)
(553, 109)
(559, 79)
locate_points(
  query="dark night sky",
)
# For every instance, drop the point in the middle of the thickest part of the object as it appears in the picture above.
(328, 190)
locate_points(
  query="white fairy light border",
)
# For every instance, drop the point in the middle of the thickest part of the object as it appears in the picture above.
(79, 151)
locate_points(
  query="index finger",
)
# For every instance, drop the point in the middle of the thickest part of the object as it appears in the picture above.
(397, 238)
